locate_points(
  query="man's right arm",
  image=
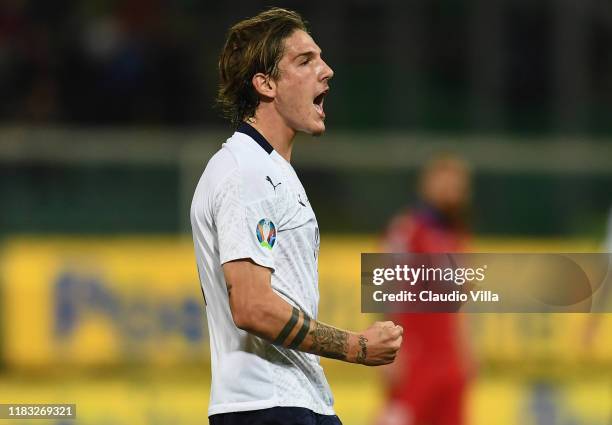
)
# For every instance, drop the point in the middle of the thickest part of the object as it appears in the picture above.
(257, 309)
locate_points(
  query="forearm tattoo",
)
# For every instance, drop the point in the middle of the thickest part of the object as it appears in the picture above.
(329, 342)
(290, 326)
(282, 336)
(302, 332)
(363, 349)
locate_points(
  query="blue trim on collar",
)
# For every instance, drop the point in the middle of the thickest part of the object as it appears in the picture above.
(250, 131)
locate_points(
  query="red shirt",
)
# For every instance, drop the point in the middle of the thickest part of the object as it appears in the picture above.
(431, 340)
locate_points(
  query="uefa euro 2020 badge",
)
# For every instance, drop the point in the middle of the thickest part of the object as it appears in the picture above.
(266, 233)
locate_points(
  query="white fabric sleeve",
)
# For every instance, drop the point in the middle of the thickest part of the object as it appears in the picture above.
(245, 230)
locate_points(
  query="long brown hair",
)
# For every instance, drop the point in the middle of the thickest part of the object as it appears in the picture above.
(253, 45)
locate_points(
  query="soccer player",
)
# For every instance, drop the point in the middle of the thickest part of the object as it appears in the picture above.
(257, 240)
(427, 383)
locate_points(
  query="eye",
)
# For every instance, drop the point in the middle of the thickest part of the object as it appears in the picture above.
(305, 62)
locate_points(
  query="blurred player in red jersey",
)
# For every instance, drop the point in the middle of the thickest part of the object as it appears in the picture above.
(427, 383)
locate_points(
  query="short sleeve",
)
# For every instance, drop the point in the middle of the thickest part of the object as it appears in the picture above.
(244, 229)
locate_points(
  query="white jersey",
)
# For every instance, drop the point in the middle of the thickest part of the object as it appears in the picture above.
(249, 203)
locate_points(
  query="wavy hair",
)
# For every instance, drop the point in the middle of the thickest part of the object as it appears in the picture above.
(252, 46)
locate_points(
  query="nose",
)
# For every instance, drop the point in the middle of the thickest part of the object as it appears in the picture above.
(327, 73)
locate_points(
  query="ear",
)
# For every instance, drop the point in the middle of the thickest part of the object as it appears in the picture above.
(264, 85)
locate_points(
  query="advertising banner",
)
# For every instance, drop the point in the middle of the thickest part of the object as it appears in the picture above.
(101, 302)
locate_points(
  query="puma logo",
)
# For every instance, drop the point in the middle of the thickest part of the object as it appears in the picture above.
(272, 183)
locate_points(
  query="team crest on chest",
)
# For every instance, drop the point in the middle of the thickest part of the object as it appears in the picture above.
(266, 233)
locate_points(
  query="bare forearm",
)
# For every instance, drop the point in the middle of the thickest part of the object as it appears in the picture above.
(323, 340)
(257, 309)
(287, 326)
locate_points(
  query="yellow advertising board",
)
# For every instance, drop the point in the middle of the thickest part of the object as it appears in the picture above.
(96, 302)
(101, 302)
(183, 400)
(109, 301)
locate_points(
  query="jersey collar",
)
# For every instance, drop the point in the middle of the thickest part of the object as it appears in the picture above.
(250, 131)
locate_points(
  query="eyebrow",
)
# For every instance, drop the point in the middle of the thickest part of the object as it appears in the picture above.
(309, 54)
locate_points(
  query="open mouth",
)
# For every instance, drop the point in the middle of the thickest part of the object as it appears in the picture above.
(318, 102)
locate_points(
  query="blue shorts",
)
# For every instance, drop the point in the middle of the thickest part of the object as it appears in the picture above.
(275, 416)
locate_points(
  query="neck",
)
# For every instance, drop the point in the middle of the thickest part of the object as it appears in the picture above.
(276, 132)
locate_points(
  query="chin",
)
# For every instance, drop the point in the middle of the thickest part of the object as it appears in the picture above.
(319, 131)
(313, 131)
(312, 127)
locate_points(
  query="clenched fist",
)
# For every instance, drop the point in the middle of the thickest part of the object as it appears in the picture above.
(379, 344)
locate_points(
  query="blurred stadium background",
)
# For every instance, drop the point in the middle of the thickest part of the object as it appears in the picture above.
(107, 121)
